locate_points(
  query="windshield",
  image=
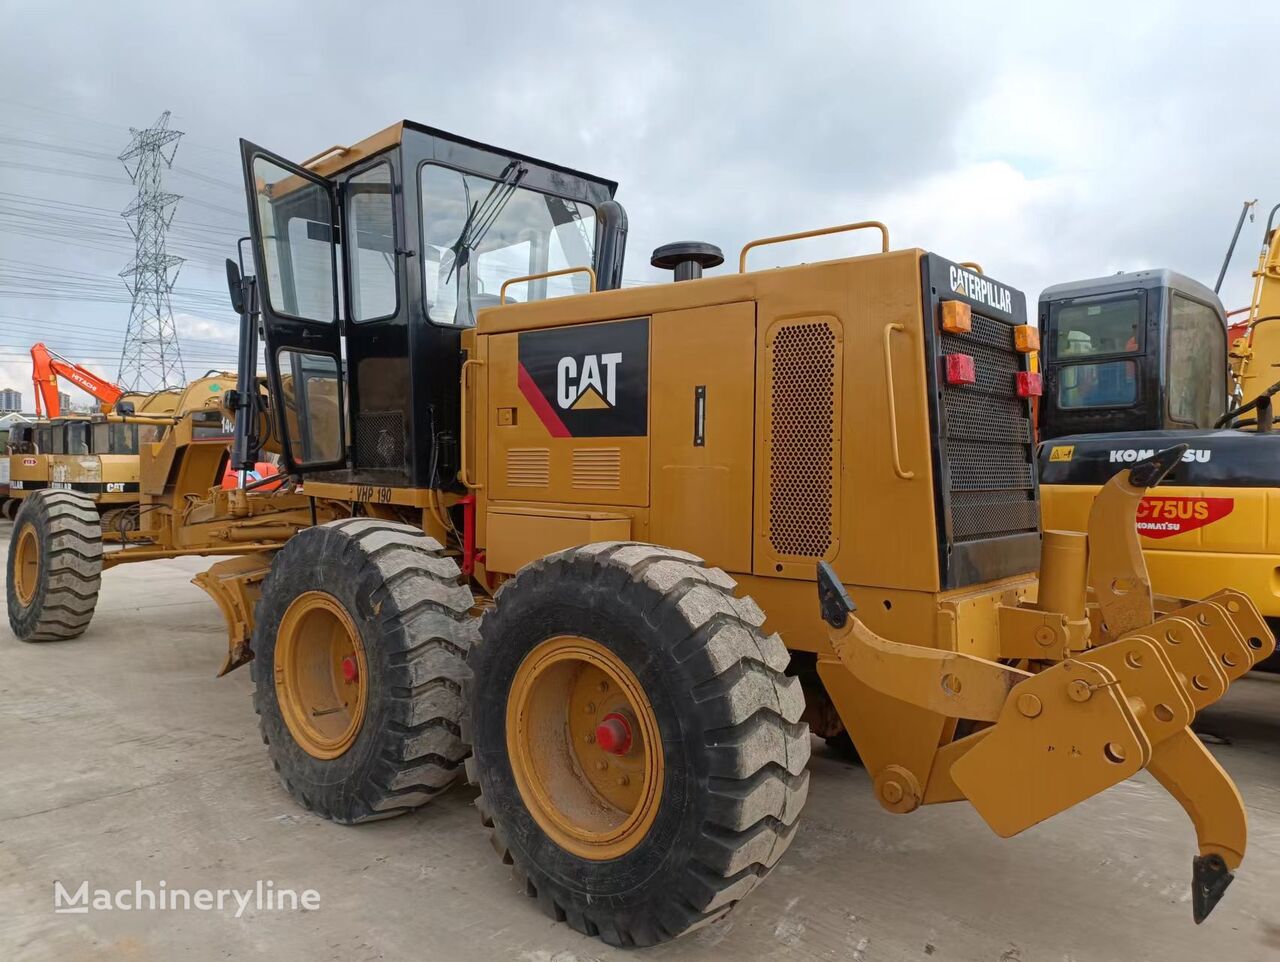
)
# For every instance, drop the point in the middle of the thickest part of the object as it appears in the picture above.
(478, 233)
(115, 438)
(1093, 326)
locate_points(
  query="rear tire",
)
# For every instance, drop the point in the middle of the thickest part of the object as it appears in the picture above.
(8, 507)
(411, 617)
(55, 566)
(121, 522)
(731, 768)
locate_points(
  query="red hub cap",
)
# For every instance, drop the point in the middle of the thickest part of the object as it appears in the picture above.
(613, 734)
(350, 670)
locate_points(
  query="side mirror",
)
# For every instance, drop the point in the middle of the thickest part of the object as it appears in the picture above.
(235, 286)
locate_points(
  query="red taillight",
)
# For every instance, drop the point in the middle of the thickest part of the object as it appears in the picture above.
(613, 734)
(1029, 383)
(960, 369)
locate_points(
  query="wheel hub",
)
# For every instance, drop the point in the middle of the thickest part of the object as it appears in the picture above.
(320, 675)
(585, 747)
(613, 734)
(26, 568)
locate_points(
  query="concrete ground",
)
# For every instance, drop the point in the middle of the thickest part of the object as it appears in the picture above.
(123, 759)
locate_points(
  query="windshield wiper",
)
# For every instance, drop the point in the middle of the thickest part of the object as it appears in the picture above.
(483, 214)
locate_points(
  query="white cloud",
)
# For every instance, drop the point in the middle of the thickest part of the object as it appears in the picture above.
(1048, 142)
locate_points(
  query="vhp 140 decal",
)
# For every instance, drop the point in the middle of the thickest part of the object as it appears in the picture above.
(590, 380)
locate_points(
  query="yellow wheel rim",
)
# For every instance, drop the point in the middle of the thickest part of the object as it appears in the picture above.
(593, 791)
(320, 675)
(26, 566)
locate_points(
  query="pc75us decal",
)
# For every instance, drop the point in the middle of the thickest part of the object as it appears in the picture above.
(1165, 517)
(588, 381)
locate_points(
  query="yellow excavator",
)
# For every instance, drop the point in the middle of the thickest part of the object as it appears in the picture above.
(1144, 361)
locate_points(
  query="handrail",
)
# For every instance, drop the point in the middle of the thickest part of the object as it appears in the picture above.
(889, 330)
(783, 238)
(502, 291)
(335, 149)
(158, 420)
(974, 266)
(462, 413)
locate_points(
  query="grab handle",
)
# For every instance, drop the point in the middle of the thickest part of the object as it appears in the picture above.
(889, 331)
(462, 411)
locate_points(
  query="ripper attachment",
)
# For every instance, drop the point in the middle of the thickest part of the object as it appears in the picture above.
(1048, 734)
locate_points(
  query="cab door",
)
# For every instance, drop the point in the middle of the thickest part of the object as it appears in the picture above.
(294, 220)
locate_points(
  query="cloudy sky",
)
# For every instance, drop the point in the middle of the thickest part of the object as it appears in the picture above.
(1049, 142)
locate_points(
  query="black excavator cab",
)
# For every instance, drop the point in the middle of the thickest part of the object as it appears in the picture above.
(1141, 351)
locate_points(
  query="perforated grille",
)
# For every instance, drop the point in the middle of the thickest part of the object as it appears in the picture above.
(988, 442)
(529, 467)
(801, 438)
(597, 468)
(380, 439)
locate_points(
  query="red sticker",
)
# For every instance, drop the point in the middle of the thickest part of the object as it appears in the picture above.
(28, 462)
(1165, 517)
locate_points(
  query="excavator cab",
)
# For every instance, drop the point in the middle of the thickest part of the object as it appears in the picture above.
(1141, 351)
(373, 259)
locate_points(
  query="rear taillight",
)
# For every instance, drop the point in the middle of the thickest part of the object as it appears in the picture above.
(960, 369)
(957, 317)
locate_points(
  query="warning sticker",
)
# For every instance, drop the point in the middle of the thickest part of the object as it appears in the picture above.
(1062, 452)
(1165, 517)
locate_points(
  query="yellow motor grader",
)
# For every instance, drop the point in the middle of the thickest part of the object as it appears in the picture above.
(177, 506)
(627, 548)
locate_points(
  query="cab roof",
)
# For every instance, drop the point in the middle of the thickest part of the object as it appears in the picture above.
(1133, 280)
(338, 157)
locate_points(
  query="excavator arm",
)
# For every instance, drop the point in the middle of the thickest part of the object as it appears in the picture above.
(1050, 735)
(47, 366)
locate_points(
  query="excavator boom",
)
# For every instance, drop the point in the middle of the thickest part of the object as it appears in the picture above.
(47, 365)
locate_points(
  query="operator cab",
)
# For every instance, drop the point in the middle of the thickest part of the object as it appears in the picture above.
(372, 259)
(1141, 351)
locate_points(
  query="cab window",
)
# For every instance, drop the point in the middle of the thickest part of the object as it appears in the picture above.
(115, 438)
(78, 438)
(1105, 384)
(478, 233)
(371, 244)
(1197, 349)
(1096, 326)
(297, 243)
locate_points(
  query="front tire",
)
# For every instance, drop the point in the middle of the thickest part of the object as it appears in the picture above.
(636, 846)
(359, 658)
(55, 566)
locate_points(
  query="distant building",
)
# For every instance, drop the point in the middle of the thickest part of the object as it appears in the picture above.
(64, 401)
(10, 400)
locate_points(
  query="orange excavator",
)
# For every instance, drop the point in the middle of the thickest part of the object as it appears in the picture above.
(47, 366)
